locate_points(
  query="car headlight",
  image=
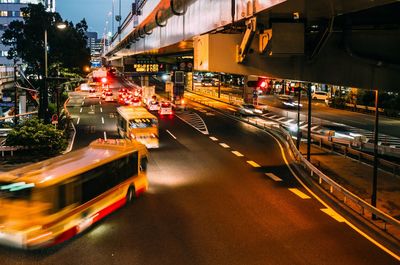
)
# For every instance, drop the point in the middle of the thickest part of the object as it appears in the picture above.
(258, 111)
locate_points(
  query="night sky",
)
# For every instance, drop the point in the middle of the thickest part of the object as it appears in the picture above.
(96, 12)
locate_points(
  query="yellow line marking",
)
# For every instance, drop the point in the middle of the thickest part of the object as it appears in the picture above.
(376, 243)
(273, 176)
(300, 194)
(237, 153)
(224, 145)
(252, 163)
(333, 214)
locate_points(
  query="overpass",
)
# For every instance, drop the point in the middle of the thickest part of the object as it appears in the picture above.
(348, 43)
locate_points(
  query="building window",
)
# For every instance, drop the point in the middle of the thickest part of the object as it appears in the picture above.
(3, 14)
(4, 53)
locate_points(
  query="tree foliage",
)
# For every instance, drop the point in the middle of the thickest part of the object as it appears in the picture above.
(38, 137)
(66, 48)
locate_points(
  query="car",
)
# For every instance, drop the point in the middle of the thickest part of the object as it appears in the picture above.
(109, 96)
(288, 102)
(123, 90)
(153, 105)
(165, 108)
(207, 81)
(104, 92)
(133, 101)
(249, 109)
(320, 95)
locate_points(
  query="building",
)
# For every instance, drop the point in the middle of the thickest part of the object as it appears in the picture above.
(9, 11)
(96, 47)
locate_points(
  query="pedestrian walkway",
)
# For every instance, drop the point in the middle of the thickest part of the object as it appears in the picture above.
(355, 176)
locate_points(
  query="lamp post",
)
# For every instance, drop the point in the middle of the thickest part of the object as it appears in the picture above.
(44, 104)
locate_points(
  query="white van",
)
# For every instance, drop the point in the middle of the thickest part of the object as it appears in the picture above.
(320, 95)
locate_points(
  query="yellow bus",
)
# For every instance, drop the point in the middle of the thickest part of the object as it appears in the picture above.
(48, 202)
(139, 124)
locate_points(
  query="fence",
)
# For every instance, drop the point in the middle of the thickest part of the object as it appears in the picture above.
(390, 224)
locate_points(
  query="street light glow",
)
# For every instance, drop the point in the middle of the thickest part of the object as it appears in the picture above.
(61, 25)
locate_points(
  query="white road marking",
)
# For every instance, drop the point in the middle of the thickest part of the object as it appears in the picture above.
(299, 193)
(79, 119)
(237, 153)
(105, 136)
(80, 110)
(101, 109)
(173, 136)
(83, 102)
(224, 145)
(213, 138)
(273, 176)
(100, 102)
(102, 120)
(253, 164)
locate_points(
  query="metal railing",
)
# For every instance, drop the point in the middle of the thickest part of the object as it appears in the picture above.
(366, 210)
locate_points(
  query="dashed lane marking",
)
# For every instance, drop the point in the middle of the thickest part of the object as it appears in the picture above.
(224, 145)
(213, 138)
(236, 153)
(173, 136)
(80, 110)
(79, 119)
(299, 193)
(273, 177)
(333, 214)
(102, 120)
(253, 164)
(101, 109)
(105, 136)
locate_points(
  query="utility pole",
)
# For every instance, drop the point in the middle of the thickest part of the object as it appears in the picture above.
(15, 92)
(309, 122)
(298, 120)
(375, 169)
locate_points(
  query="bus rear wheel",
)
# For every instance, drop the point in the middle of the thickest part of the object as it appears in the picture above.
(130, 195)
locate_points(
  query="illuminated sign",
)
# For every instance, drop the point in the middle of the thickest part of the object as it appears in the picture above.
(149, 68)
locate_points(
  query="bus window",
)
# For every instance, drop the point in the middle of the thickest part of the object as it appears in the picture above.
(143, 163)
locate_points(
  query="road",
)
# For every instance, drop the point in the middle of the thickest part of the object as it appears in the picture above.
(207, 204)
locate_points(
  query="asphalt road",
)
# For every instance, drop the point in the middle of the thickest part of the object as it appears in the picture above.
(208, 205)
(363, 121)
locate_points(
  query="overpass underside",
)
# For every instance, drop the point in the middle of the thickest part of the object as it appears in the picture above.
(350, 43)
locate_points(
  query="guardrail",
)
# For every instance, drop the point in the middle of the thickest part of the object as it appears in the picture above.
(340, 192)
(359, 205)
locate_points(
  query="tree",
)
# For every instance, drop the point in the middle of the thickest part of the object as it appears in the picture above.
(38, 137)
(65, 50)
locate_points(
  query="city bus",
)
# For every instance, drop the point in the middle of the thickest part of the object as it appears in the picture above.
(139, 124)
(49, 202)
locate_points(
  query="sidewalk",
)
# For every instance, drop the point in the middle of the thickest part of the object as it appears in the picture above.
(354, 176)
(357, 178)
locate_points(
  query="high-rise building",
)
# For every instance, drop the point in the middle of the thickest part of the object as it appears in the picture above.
(96, 47)
(11, 10)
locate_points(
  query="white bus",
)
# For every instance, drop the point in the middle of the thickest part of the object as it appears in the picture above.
(139, 124)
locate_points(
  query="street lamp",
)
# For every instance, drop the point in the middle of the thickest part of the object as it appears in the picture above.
(45, 103)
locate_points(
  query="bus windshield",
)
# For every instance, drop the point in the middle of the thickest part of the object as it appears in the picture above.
(16, 191)
(142, 123)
